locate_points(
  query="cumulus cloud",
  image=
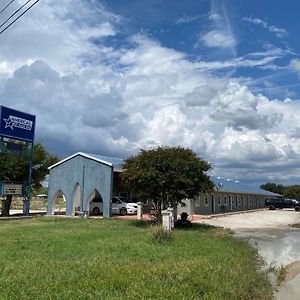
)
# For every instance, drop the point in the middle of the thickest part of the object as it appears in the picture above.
(116, 100)
(221, 35)
(219, 39)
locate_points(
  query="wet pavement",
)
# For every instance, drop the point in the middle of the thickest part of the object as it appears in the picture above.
(279, 247)
(277, 242)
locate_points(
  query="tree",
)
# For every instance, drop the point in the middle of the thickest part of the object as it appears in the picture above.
(166, 176)
(292, 191)
(15, 168)
(273, 187)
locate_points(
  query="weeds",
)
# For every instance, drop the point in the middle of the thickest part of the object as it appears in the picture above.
(279, 273)
(160, 234)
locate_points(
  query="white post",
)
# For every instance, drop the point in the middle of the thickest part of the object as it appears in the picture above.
(166, 218)
(139, 210)
(171, 211)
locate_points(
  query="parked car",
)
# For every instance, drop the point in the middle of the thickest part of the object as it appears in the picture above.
(41, 196)
(273, 203)
(118, 206)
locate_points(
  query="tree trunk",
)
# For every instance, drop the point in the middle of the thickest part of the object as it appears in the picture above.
(6, 206)
(175, 211)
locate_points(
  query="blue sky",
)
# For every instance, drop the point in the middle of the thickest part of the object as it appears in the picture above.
(112, 77)
(257, 29)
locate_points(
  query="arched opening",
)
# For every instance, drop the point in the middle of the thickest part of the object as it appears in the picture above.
(59, 203)
(95, 202)
(76, 199)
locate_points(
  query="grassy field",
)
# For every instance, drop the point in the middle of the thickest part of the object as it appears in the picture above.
(61, 258)
(36, 204)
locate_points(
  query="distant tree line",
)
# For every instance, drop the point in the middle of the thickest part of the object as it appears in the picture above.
(290, 191)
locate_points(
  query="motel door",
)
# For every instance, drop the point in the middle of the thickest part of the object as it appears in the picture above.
(213, 203)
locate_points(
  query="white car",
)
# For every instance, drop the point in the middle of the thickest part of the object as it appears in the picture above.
(118, 206)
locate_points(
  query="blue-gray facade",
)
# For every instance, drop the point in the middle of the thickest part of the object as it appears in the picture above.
(82, 176)
(227, 196)
(78, 178)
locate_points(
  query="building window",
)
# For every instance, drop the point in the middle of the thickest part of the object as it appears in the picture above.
(206, 200)
(219, 200)
(225, 200)
(197, 201)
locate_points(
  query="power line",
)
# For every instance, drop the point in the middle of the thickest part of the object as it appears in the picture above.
(14, 13)
(25, 11)
(3, 9)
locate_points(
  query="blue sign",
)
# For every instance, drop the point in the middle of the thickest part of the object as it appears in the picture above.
(16, 124)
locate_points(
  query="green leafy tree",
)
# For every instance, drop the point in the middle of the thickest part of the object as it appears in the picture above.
(292, 191)
(273, 187)
(166, 176)
(15, 168)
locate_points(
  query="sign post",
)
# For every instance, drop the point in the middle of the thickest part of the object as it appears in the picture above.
(18, 126)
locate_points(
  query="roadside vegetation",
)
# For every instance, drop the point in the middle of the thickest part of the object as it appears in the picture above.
(290, 191)
(14, 168)
(60, 258)
(173, 174)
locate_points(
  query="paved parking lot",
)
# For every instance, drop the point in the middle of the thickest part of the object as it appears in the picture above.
(255, 219)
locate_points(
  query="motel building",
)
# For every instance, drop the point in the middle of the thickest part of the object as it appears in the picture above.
(227, 196)
(79, 178)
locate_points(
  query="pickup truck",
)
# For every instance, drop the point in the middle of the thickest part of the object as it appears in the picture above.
(273, 203)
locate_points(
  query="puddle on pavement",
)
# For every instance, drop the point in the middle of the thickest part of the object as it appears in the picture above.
(279, 247)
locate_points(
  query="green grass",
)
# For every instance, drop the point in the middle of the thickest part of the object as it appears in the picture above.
(61, 258)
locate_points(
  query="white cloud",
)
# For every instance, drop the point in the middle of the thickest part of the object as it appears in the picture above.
(295, 65)
(279, 32)
(103, 30)
(238, 62)
(219, 39)
(188, 19)
(114, 100)
(221, 35)
(58, 32)
(256, 21)
(215, 17)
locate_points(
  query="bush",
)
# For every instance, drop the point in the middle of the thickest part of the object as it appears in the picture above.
(161, 235)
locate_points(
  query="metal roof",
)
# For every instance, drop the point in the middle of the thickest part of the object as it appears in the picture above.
(235, 186)
(114, 161)
(221, 184)
(110, 161)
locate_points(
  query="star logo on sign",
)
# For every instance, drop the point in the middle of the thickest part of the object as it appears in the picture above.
(9, 124)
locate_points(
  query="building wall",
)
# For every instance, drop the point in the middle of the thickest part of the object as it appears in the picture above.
(80, 176)
(222, 202)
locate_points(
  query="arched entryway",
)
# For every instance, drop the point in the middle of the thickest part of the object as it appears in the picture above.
(95, 202)
(59, 203)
